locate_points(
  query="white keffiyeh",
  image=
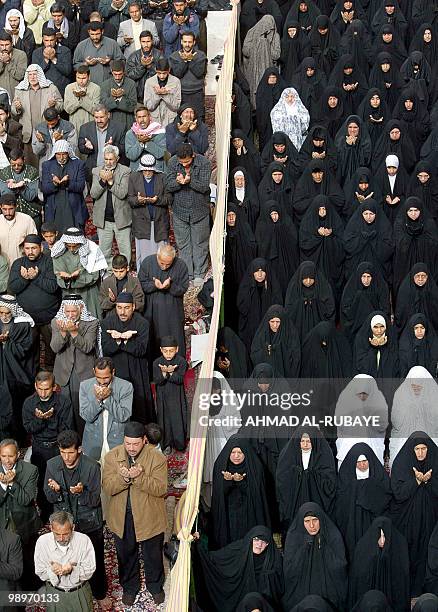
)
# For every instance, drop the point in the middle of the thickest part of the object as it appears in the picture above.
(18, 314)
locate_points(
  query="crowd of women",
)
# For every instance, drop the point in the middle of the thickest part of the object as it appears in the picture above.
(331, 278)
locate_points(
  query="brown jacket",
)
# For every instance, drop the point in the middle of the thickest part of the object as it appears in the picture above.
(146, 492)
(132, 286)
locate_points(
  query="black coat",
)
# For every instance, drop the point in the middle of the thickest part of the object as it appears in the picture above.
(141, 219)
(171, 402)
(115, 131)
(11, 564)
(17, 503)
(61, 72)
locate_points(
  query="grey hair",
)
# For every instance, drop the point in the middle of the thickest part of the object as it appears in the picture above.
(61, 518)
(112, 149)
(166, 249)
(100, 107)
(10, 442)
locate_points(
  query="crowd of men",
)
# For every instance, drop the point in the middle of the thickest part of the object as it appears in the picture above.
(101, 126)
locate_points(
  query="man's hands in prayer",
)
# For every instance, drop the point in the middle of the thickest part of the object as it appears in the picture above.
(4, 336)
(29, 273)
(147, 61)
(67, 276)
(143, 138)
(160, 285)
(13, 185)
(236, 477)
(51, 102)
(167, 369)
(39, 136)
(91, 61)
(77, 489)
(117, 93)
(181, 179)
(128, 473)
(7, 477)
(102, 393)
(52, 484)
(62, 570)
(127, 335)
(106, 175)
(44, 415)
(56, 180)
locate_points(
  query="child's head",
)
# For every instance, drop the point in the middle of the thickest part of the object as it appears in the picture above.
(168, 347)
(154, 434)
(49, 233)
(120, 266)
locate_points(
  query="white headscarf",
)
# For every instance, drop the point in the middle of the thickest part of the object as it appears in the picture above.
(18, 314)
(43, 82)
(240, 191)
(291, 119)
(75, 300)
(22, 26)
(392, 160)
(62, 146)
(90, 255)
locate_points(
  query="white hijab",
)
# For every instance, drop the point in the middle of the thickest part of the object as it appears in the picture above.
(291, 119)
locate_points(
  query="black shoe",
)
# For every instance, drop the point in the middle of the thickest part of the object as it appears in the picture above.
(128, 599)
(158, 597)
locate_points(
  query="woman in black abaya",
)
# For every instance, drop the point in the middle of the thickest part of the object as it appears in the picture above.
(315, 180)
(381, 561)
(373, 601)
(418, 76)
(413, 116)
(295, 46)
(431, 579)
(277, 241)
(418, 293)
(424, 185)
(309, 298)
(356, 42)
(385, 75)
(425, 40)
(415, 238)
(330, 113)
(238, 500)
(310, 81)
(363, 493)
(232, 359)
(326, 353)
(268, 94)
(277, 342)
(276, 185)
(364, 292)
(318, 145)
(251, 564)
(240, 250)
(389, 12)
(305, 473)
(414, 511)
(305, 13)
(258, 290)
(324, 40)
(321, 241)
(418, 346)
(243, 154)
(392, 182)
(351, 80)
(254, 601)
(374, 112)
(353, 145)
(314, 559)
(243, 192)
(280, 149)
(368, 237)
(351, 8)
(361, 187)
(395, 140)
(389, 41)
(376, 348)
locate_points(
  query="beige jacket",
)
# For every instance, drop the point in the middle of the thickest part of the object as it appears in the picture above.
(36, 16)
(24, 115)
(163, 108)
(147, 492)
(80, 110)
(13, 233)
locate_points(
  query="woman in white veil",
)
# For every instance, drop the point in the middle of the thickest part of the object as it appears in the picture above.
(415, 408)
(361, 398)
(290, 116)
(219, 432)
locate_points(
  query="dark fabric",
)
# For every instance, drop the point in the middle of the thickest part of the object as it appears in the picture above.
(307, 19)
(428, 602)
(47, 430)
(431, 578)
(352, 156)
(365, 355)
(296, 485)
(428, 49)
(171, 402)
(395, 47)
(237, 506)
(356, 193)
(356, 12)
(325, 47)
(250, 204)
(357, 42)
(338, 78)
(385, 569)
(267, 97)
(426, 192)
(248, 160)
(310, 151)
(234, 571)
(389, 83)
(373, 601)
(241, 115)
(308, 306)
(280, 349)
(391, 208)
(403, 148)
(254, 601)
(310, 88)
(314, 565)
(415, 509)
(293, 50)
(417, 74)
(374, 119)
(416, 121)
(359, 502)
(287, 157)
(397, 20)
(330, 118)
(281, 192)
(307, 189)
(326, 353)
(418, 352)
(412, 299)
(229, 345)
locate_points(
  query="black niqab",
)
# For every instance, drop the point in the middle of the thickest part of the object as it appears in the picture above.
(415, 351)
(235, 351)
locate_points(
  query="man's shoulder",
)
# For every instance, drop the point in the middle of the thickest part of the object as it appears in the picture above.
(121, 383)
(24, 218)
(19, 56)
(87, 127)
(27, 469)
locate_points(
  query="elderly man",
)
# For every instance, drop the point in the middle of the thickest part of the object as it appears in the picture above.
(62, 183)
(80, 98)
(65, 561)
(78, 263)
(119, 95)
(14, 226)
(145, 136)
(52, 129)
(125, 335)
(135, 480)
(128, 36)
(105, 404)
(18, 489)
(97, 134)
(45, 414)
(162, 94)
(75, 339)
(190, 66)
(97, 52)
(13, 63)
(54, 59)
(141, 63)
(33, 95)
(111, 211)
(21, 180)
(188, 179)
(164, 279)
(34, 284)
(72, 483)
(149, 203)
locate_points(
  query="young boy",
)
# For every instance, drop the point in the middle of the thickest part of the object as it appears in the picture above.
(50, 236)
(168, 375)
(154, 435)
(120, 280)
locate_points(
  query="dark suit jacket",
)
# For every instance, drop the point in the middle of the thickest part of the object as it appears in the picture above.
(11, 563)
(141, 221)
(18, 502)
(61, 72)
(14, 139)
(88, 130)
